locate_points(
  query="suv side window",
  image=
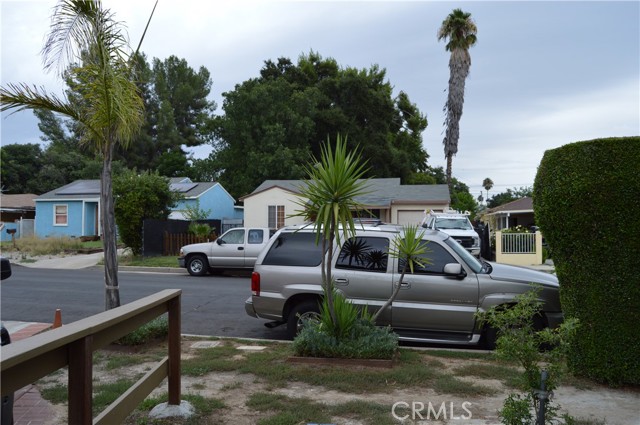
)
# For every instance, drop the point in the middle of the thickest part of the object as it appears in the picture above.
(294, 249)
(364, 253)
(435, 258)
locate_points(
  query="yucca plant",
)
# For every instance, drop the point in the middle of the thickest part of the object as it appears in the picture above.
(409, 248)
(328, 199)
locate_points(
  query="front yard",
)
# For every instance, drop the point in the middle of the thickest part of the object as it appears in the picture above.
(248, 382)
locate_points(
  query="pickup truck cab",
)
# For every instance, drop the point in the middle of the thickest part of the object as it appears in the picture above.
(236, 249)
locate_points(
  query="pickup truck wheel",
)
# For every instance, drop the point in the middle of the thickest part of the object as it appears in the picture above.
(197, 265)
(304, 310)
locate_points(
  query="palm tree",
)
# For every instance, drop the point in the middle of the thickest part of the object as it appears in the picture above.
(487, 184)
(459, 31)
(109, 109)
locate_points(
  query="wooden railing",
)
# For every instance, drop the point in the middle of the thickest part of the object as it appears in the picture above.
(172, 242)
(72, 345)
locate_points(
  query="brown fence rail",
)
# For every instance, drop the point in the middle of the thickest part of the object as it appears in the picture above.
(172, 242)
(72, 345)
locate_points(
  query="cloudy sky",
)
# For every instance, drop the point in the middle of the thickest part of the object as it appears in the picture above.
(543, 74)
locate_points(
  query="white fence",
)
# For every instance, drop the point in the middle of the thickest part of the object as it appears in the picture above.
(519, 248)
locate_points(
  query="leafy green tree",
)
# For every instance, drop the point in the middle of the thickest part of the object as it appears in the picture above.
(19, 163)
(107, 106)
(140, 196)
(459, 31)
(274, 120)
(509, 195)
(328, 200)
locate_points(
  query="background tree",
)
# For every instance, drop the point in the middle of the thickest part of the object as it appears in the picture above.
(509, 195)
(488, 185)
(176, 114)
(19, 163)
(108, 108)
(140, 196)
(285, 114)
(459, 31)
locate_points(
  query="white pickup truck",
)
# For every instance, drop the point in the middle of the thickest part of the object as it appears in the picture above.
(236, 249)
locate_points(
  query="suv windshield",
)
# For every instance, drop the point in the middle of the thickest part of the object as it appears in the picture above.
(453, 223)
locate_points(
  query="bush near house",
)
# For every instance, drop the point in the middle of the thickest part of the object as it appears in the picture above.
(586, 201)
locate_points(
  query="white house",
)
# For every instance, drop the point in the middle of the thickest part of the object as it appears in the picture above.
(273, 202)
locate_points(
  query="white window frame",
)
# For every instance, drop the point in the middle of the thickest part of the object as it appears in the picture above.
(278, 216)
(55, 214)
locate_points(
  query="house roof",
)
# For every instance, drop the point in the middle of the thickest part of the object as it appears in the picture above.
(82, 189)
(382, 192)
(522, 205)
(23, 201)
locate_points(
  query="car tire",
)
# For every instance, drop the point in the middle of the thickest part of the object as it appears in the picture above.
(304, 309)
(197, 265)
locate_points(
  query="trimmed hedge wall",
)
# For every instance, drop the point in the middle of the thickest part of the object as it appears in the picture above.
(586, 198)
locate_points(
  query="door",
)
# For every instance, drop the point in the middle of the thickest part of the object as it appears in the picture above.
(429, 300)
(256, 239)
(362, 273)
(228, 250)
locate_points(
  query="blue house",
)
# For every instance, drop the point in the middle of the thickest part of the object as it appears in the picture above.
(73, 209)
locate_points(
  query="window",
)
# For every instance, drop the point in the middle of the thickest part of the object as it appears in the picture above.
(294, 249)
(364, 253)
(434, 259)
(276, 216)
(234, 236)
(60, 215)
(256, 236)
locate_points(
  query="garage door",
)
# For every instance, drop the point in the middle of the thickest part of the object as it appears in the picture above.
(410, 216)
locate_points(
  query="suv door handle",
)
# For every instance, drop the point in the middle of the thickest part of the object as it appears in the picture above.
(405, 285)
(240, 248)
(342, 281)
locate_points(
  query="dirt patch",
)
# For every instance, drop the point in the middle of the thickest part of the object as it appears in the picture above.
(595, 403)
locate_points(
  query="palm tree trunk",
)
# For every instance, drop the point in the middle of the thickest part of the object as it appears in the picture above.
(109, 242)
(449, 160)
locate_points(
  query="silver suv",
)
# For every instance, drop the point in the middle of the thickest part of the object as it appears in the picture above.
(437, 303)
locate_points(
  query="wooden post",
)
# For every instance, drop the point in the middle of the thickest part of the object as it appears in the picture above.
(81, 382)
(174, 351)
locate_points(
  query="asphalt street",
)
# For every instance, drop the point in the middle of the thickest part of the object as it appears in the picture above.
(211, 305)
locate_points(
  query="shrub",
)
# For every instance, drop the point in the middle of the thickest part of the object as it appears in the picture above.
(365, 341)
(156, 329)
(586, 201)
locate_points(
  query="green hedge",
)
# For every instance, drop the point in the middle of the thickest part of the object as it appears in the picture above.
(586, 198)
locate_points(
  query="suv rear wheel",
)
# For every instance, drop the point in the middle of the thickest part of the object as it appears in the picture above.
(197, 265)
(304, 310)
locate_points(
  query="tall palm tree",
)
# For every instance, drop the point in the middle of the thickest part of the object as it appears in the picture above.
(459, 31)
(86, 38)
(487, 184)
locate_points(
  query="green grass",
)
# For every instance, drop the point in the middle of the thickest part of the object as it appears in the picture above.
(509, 376)
(105, 394)
(154, 330)
(32, 245)
(55, 394)
(160, 261)
(412, 370)
(283, 410)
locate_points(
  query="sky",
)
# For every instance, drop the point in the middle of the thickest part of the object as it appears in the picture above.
(543, 73)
